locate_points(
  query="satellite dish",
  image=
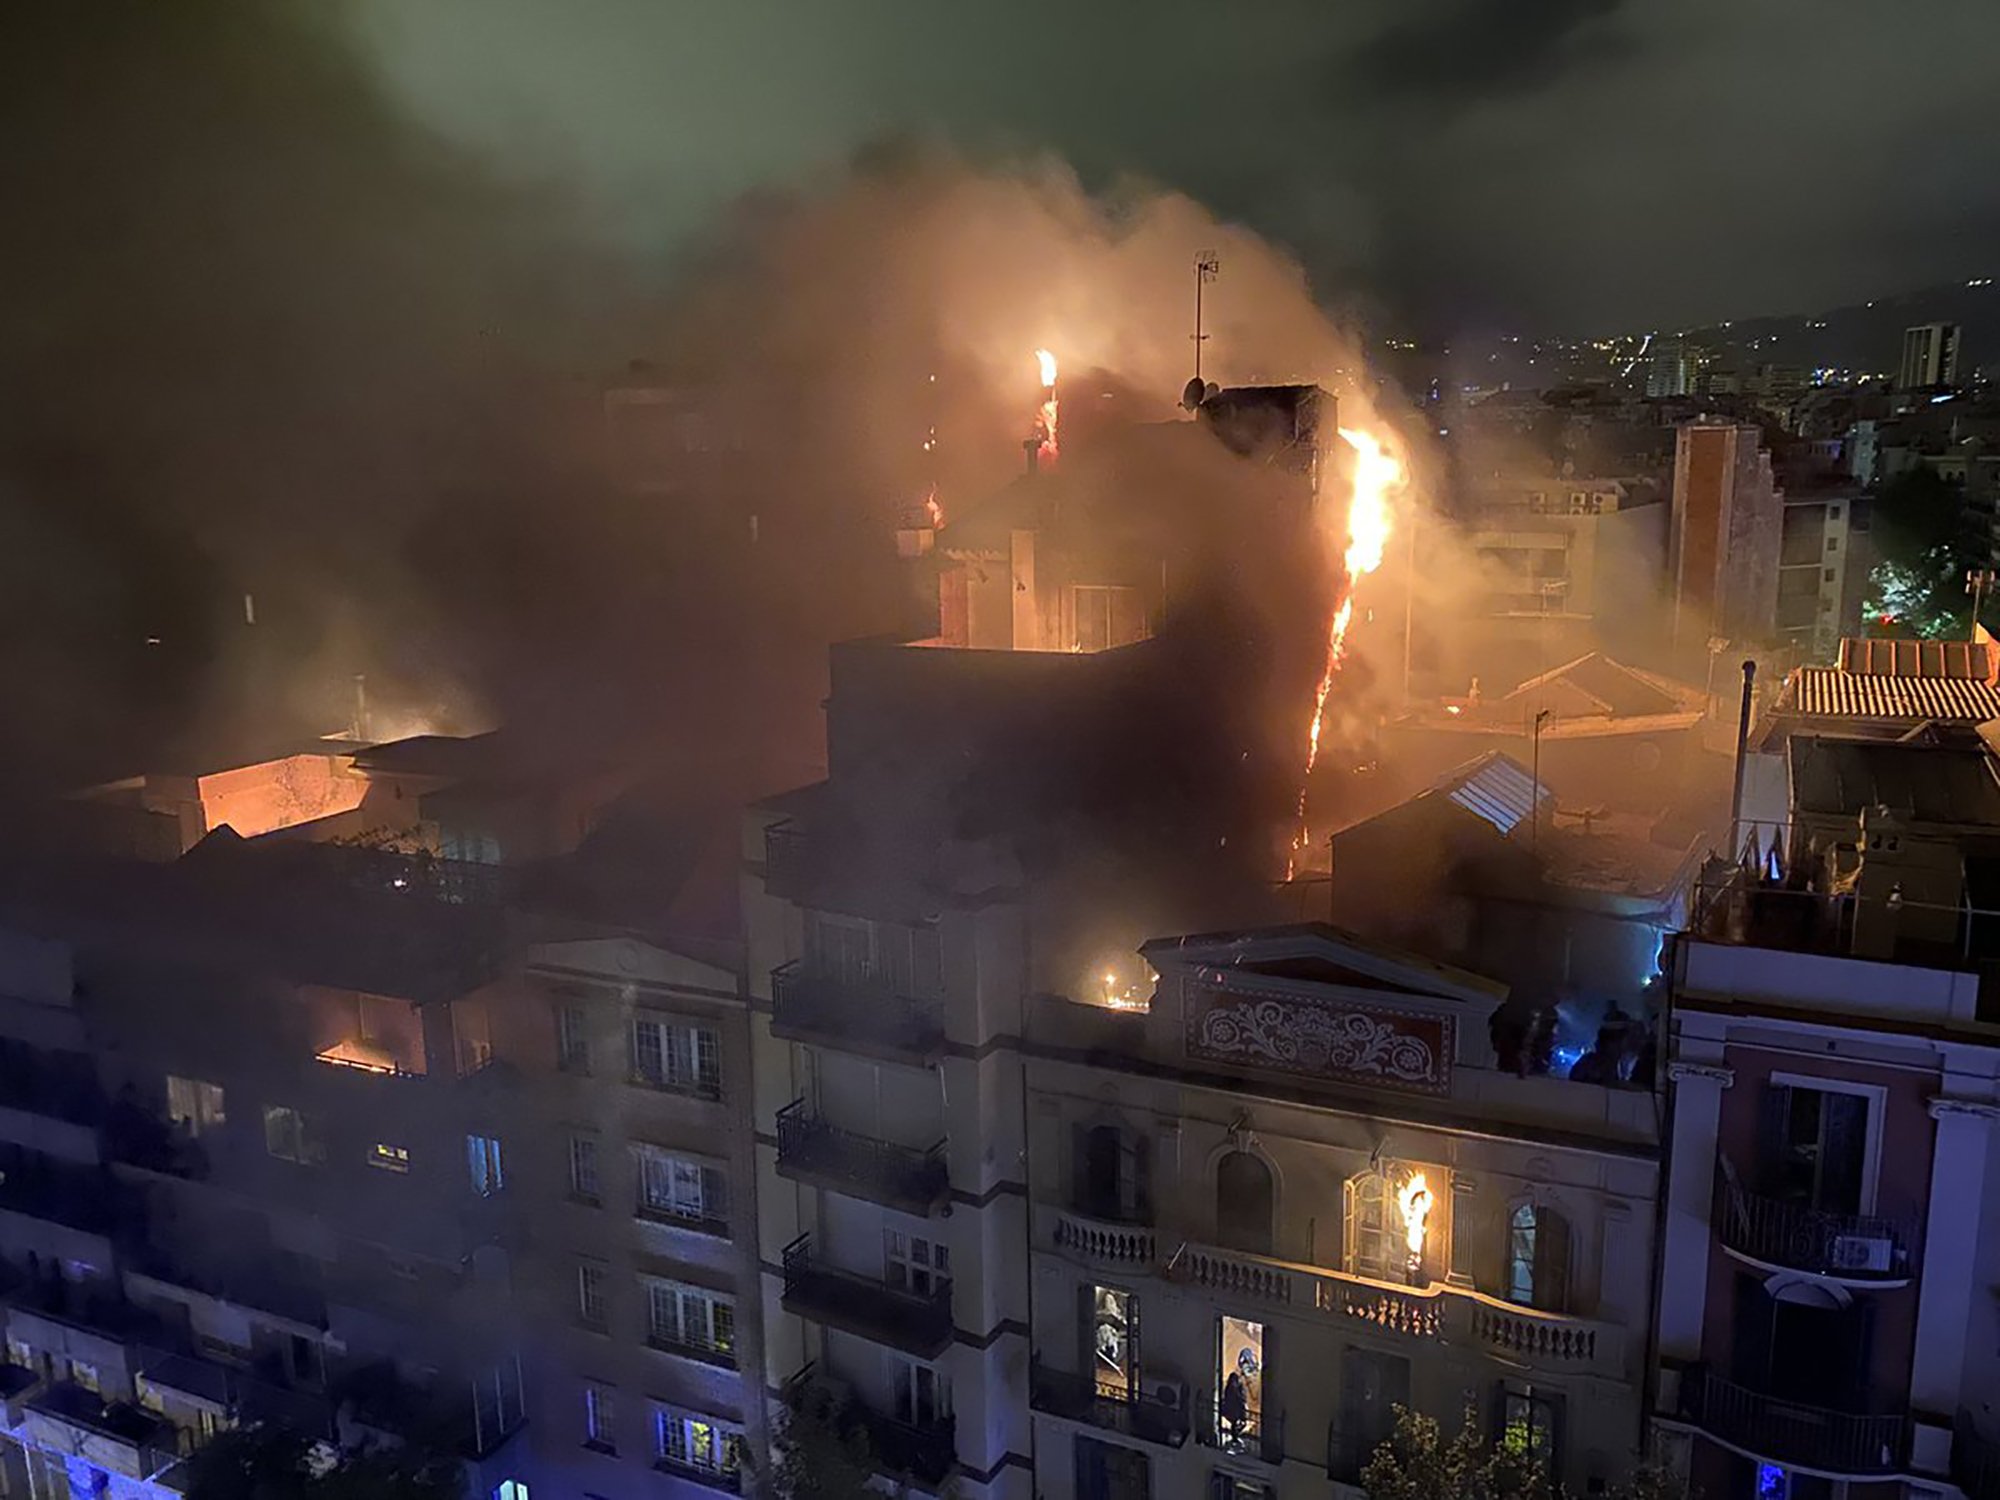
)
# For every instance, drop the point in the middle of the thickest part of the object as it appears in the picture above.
(1192, 393)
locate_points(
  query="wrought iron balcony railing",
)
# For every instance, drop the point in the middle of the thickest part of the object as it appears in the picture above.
(853, 1014)
(1793, 1432)
(902, 1177)
(917, 1323)
(1797, 1237)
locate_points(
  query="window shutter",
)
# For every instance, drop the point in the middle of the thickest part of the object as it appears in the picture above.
(1347, 1209)
(1492, 1239)
(1079, 1168)
(1552, 1252)
(1775, 1111)
(1142, 1178)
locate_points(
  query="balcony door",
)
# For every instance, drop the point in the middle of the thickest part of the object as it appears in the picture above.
(1803, 1346)
(1113, 1332)
(1372, 1386)
(1239, 1383)
(1815, 1147)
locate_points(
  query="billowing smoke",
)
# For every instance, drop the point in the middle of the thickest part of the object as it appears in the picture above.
(286, 344)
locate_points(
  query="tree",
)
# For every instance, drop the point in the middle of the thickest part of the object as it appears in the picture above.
(1416, 1463)
(1927, 542)
(822, 1451)
(268, 1463)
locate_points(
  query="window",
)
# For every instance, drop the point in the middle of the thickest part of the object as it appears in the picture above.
(1831, 575)
(590, 1293)
(688, 1440)
(1111, 1173)
(1372, 1386)
(914, 1264)
(920, 1395)
(1374, 1230)
(482, 1158)
(1243, 1203)
(1111, 1471)
(389, 1158)
(85, 1375)
(292, 1136)
(572, 1039)
(1818, 1145)
(583, 1167)
(510, 1489)
(1114, 1341)
(194, 1104)
(1106, 616)
(1538, 1257)
(1528, 1422)
(680, 1187)
(498, 1402)
(1239, 1383)
(600, 1418)
(670, 1054)
(691, 1318)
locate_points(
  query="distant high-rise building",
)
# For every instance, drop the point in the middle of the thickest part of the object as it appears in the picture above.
(1723, 534)
(1668, 369)
(1930, 356)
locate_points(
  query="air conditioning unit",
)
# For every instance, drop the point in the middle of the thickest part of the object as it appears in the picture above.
(1169, 1393)
(1862, 1252)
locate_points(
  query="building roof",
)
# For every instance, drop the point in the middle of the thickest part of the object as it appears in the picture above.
(1929, 783)
(1495, 789)
(1873, 657)
(1832, 693)
(1619, 690)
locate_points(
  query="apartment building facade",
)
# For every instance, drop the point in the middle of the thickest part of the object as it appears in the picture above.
(644, 1280)
(1293, 1193)
(1827, 1320)
(251, 1177)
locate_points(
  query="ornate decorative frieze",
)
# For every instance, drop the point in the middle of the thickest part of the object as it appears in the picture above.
(1376, 1044)
(1680, 1072)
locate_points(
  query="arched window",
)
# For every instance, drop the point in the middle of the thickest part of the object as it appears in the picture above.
(1374, 1241)
(1538, 1257)
(1243, 1203)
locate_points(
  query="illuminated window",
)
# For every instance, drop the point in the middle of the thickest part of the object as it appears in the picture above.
(482, 1158)
(389, 1158)
(1239, 1383)
(1374, 1230)
(292, 1136)
(1528, 1418)
(1114, 1327)
(1538, 1257)
(689, 1440)
(194, 1104)
(510, 1489)
(600, 1418)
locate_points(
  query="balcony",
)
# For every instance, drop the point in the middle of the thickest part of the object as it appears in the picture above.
(901, 1177)
(118, 1438)
(1439, 1311)
(1097, 1242)
(1842, 1444)
(925, 1452)
(729, 1481)
(854, 1016)
(916, 1324)
(1259, 1436)
(1077, 1398)
(1862, 1249)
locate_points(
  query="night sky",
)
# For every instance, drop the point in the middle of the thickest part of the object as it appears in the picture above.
(1556, 165)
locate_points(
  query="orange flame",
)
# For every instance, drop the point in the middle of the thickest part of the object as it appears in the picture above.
(1415, 1200)
(1377, 475)
(1050, 411)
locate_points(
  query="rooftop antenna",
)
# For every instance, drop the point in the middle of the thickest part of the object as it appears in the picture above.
(1205, 266)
